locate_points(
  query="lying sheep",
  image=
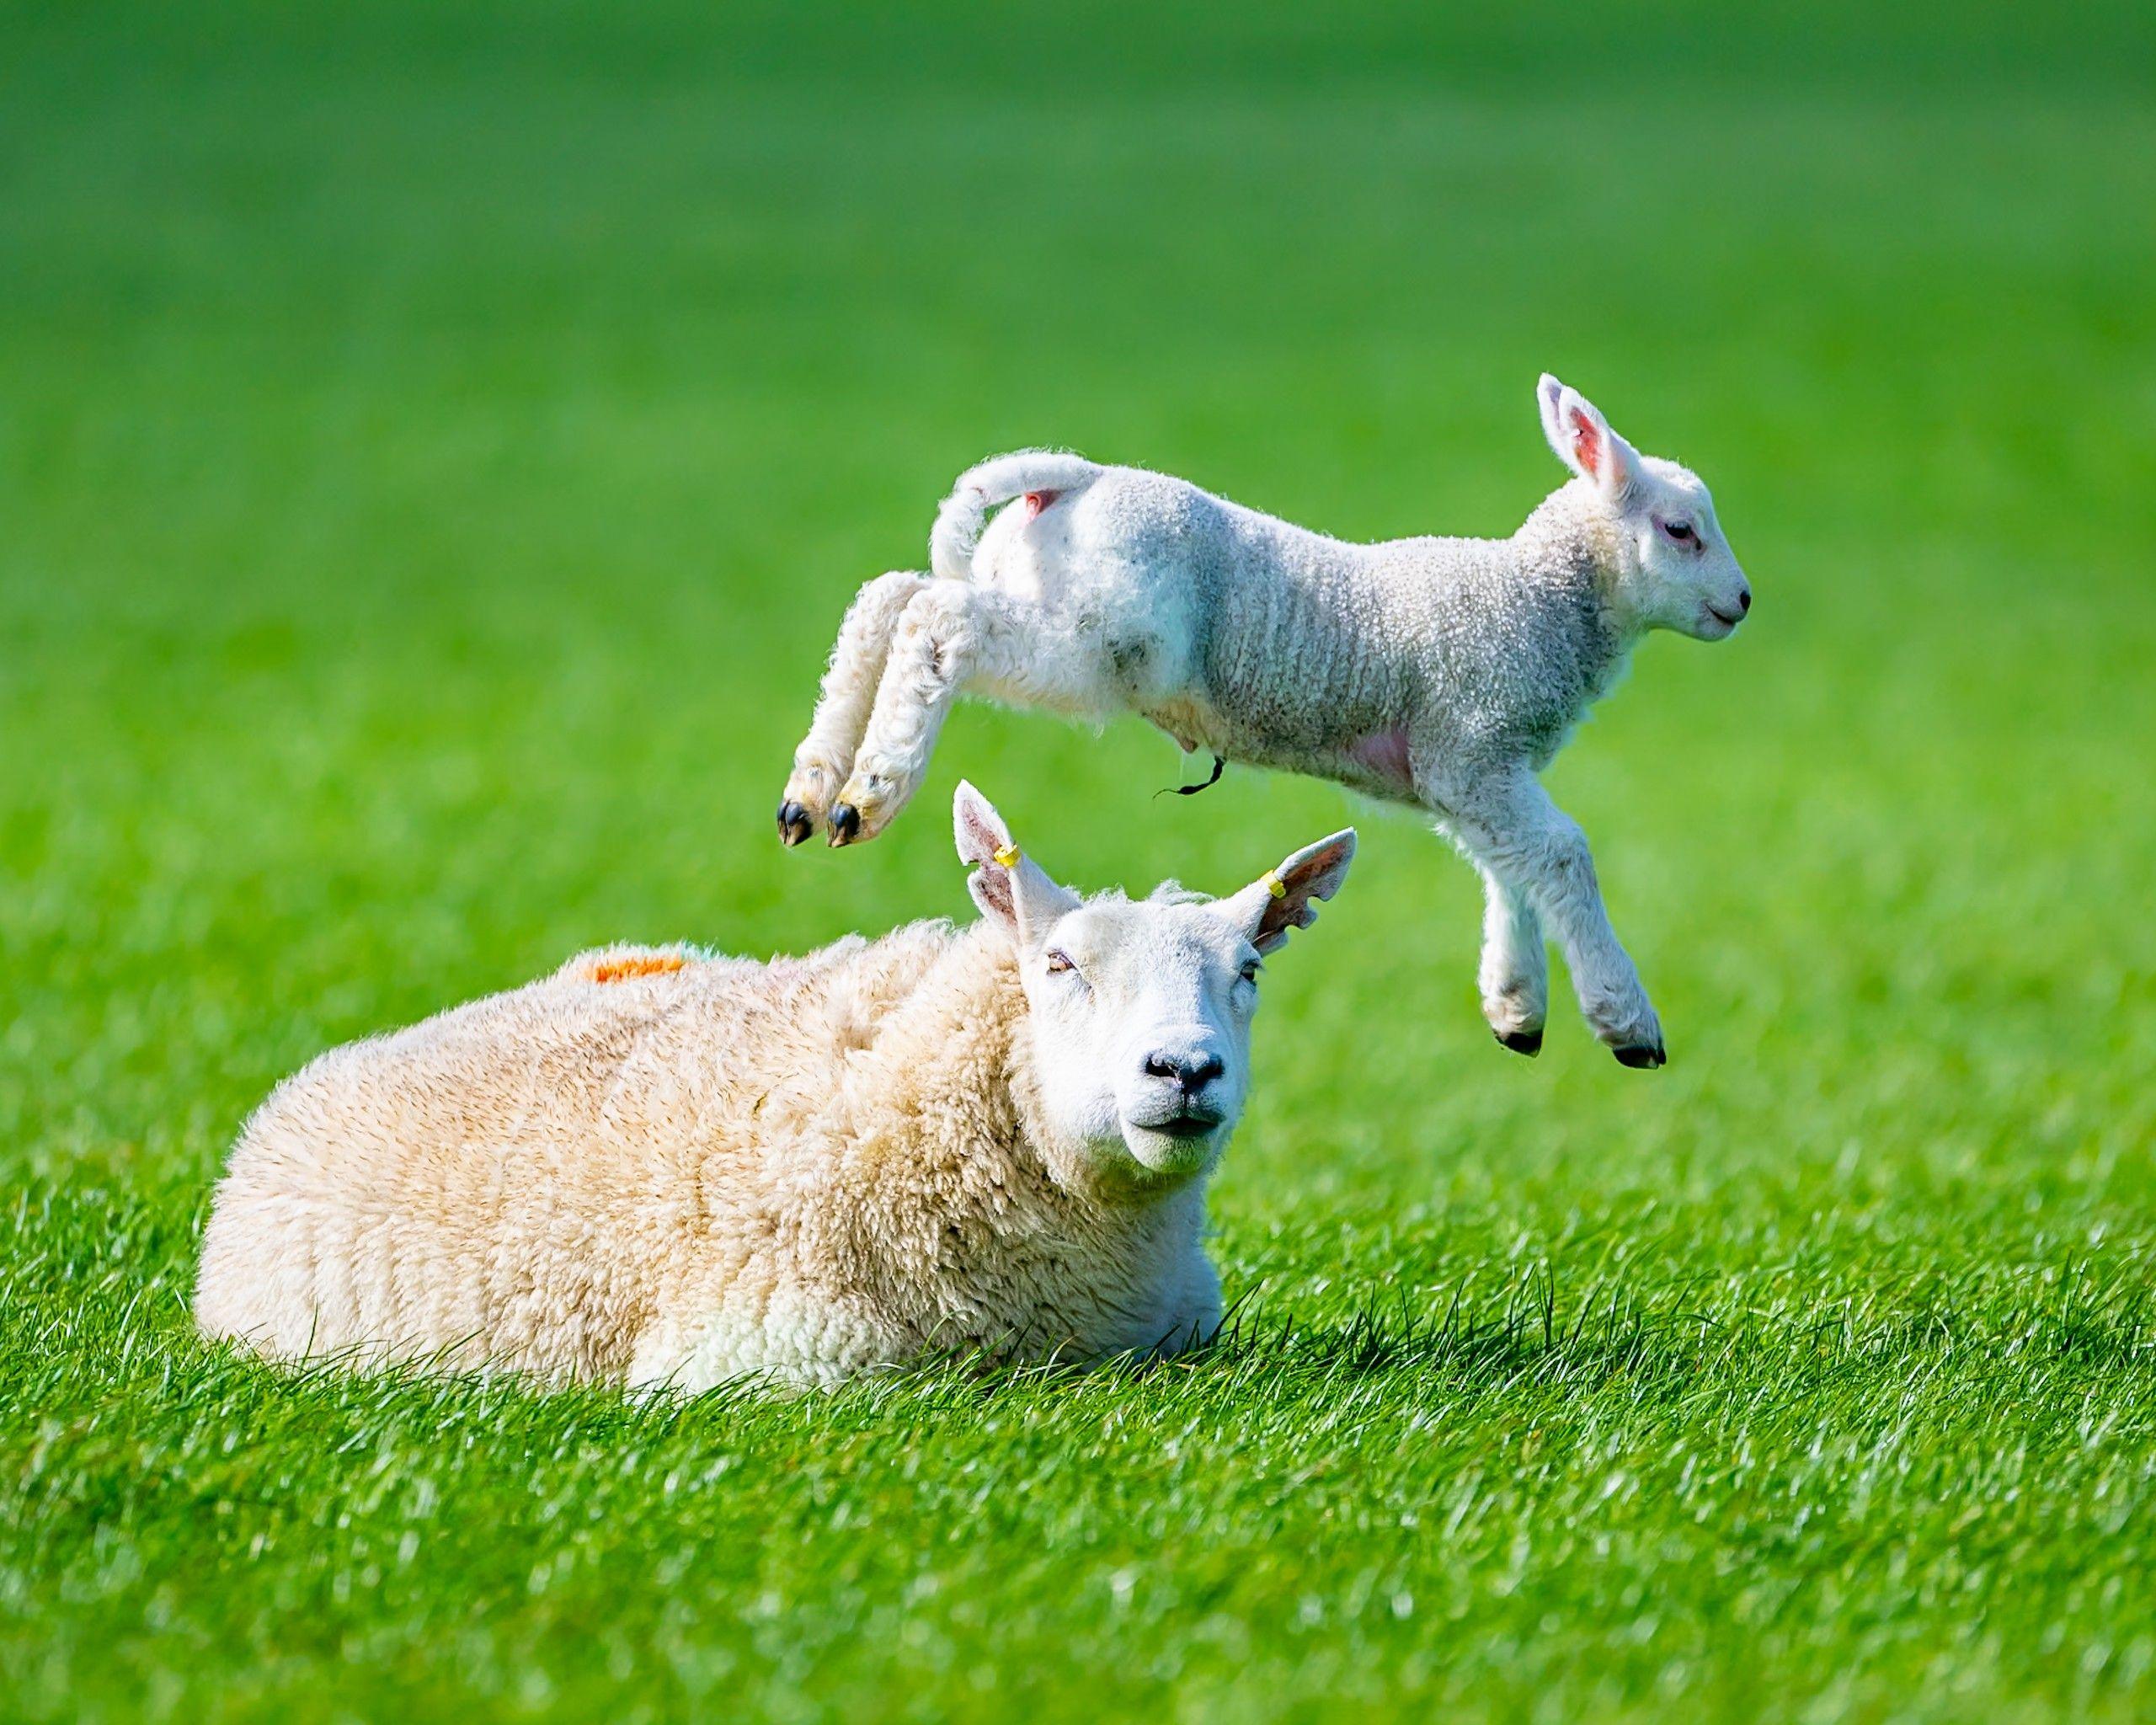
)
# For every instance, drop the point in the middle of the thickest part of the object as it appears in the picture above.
(1442, 672)
(657, 1166)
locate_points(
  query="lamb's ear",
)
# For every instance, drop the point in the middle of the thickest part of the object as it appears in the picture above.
(1583, 439)
(1283, 898)
(1547, 393)
(1013, 891)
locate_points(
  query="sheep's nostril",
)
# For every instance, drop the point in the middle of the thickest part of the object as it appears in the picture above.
(1744, 602)
(1197, 1074)
(1189, 1074)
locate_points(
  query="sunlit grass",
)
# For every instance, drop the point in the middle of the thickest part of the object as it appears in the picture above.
(434, 451)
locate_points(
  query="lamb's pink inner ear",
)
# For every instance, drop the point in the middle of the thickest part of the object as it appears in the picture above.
(1589, 446)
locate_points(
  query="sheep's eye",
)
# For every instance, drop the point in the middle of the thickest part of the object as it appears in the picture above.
(1681, 531)
(1059, 960)
(1251, 970)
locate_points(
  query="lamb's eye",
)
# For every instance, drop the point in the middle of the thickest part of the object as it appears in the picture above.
(1681, 531)
(1251, 970)
(1059, 960)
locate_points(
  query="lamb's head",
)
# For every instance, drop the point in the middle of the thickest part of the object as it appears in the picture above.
(1674, 567)
(1140, 1011)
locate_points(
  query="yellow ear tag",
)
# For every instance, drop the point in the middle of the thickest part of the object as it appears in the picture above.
(1274, 884)
(1008, 856)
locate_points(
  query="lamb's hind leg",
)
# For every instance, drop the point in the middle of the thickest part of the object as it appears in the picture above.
(825, 756)
(1506, 819)
(954, 634)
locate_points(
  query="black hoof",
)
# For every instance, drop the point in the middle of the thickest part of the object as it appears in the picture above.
(1641, 1059)
(845, 823)
(795, 825)
(1521, 1042)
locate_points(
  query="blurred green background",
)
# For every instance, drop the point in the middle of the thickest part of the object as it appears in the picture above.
(436, 444)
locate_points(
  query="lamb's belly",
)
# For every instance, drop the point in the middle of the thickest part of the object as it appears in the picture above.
(1374, 756)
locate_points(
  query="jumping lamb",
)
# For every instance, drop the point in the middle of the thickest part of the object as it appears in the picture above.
(1444, 673)
(657, 1166)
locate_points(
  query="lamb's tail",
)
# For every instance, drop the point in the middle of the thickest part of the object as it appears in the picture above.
(1041, 476)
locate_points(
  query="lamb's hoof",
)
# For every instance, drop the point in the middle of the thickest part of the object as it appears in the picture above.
(1642, 1058)
(794, 824)
(845, 823)
(1521, 1042)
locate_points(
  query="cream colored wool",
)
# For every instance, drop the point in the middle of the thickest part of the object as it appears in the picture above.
(702, 1169)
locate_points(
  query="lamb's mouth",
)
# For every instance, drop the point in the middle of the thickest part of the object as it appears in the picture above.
(1723, 618)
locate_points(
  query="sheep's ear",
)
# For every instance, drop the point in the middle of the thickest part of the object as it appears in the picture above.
(1013, 891)
(1583, 439)
(1284, 898)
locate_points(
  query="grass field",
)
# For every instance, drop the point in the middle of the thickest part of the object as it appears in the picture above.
(436, 446)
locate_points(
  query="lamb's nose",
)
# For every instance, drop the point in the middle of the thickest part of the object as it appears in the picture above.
(1744, 602)
(1192, 1073)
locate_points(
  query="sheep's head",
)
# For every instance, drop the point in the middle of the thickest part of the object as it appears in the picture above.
(1674, 567)
(1140, 1010)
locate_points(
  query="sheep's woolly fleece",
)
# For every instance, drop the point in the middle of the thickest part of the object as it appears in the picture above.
(658, 1166)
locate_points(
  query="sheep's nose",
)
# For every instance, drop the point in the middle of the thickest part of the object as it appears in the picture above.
(1744, 602)
(1190, 1073)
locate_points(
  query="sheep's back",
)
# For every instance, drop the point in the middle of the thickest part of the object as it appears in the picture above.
(463, 1191)
(521, 1182)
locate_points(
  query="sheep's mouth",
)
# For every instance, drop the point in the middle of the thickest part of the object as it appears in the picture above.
(1724, 618)
(1183, 1125)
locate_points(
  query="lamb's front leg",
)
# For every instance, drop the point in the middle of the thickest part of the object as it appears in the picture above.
(825, 756)
(953, 634)
(1515, 974)
(1507, 820)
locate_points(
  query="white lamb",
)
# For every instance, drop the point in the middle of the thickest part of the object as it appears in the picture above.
(1442, 672)
(657, 1166)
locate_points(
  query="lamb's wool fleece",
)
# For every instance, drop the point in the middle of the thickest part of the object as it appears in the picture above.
(1370, 665)
(795, 1170)
(1445, 673)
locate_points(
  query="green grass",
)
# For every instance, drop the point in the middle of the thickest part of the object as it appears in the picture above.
(435, 449)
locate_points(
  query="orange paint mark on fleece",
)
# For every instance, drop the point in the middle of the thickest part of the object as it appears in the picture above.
(644, 964)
